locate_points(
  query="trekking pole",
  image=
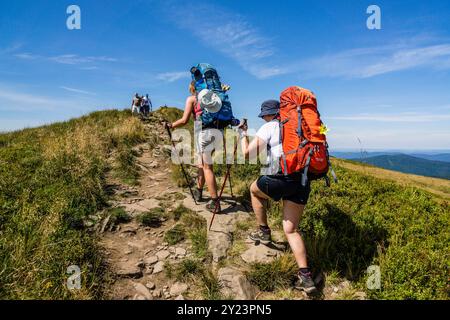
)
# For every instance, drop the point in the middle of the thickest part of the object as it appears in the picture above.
(227, 175)
(181, 164)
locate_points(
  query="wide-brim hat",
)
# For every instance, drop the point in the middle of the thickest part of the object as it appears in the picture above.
(269, 108)
(209, 101)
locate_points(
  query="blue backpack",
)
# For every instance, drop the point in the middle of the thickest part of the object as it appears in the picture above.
(206, 77)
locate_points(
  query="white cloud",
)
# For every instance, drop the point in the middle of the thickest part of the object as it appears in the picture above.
(230, 34)
(19, 101)
(70, 59)
(173, 76)
(77, 90)
(76, 59)
(374, 61)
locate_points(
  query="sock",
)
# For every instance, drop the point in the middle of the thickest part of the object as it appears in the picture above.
(304, 272)
(264, 229)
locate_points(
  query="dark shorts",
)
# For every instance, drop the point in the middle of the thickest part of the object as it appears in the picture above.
(285, 187)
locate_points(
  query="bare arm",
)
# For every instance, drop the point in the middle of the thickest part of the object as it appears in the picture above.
(188, 110)
(252, 147)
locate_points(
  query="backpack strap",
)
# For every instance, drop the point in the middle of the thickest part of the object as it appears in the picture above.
(299, 127)
(283, 155)
(305, 171)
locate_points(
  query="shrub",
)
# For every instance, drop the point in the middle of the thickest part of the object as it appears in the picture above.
(119, 215)
(279, 273)
(175, 235)
(151, 218)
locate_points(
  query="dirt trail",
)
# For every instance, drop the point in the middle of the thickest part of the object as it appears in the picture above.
(138, 255)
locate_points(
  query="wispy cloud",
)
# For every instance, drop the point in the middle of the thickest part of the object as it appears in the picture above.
(230, 34)
(20, 100)
(26, 56)
(70, 59)
(76, 59)
(375, 61)
(172, 76)
(400, 117)
(77, 90)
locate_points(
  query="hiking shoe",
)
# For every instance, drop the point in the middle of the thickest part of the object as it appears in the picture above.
(259, 236)
(198, 194)
(211, 206)
(305, 283)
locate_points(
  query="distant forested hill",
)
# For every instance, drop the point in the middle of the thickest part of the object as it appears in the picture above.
(409, 164)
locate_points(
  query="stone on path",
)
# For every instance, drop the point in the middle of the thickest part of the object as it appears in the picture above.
(235, 284)
(150, 285)
(159, 267)
(128, 270)
(260, 254)
(151, 260)
(178, 288)
(163, 254)
(143, 291)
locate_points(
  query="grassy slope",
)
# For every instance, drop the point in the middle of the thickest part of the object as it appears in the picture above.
(51, 179)
(439, 187)
(372, 216)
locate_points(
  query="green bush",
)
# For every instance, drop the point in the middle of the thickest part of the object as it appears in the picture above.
(118, 216)
(175, 235)
(280, 273)
(152, 218)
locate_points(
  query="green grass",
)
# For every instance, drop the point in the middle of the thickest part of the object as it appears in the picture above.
(363, 221)
(180, 211)
(277, 274)
(175, 235)
(51, 178)
(118, 216)
(152, 218)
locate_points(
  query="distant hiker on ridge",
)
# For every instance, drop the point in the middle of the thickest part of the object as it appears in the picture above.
(146, 105)
(136, 104)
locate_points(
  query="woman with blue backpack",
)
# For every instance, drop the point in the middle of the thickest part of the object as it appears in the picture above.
(204, 159)
(210, 106)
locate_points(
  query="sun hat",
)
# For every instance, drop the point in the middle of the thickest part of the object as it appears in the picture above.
(269, 108)
(209, 101)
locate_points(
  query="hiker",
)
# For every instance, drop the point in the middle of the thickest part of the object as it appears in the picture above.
(136, 104)
(276, 186)
(146, 105)
(204, 157)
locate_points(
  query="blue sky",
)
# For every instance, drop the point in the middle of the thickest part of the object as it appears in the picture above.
(390, 88)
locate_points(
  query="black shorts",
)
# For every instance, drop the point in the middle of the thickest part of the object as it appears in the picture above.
(285, 187)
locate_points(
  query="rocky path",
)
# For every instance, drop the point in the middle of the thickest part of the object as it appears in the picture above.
(138, 255)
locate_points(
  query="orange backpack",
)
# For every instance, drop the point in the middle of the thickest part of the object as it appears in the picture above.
(305, 147)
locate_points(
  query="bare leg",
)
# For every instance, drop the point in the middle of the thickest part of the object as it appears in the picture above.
(201, 178)
(210, 178)
(201, 174)
(259, 202)
(291, 217)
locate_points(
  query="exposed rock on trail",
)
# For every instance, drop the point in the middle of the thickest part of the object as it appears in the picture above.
(145, 266)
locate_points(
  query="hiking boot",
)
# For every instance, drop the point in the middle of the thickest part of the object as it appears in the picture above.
(305, 283)
(211, 206)
(260, 236)
(198, 194)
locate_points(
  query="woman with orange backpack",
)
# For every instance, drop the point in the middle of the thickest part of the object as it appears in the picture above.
(289, 170)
